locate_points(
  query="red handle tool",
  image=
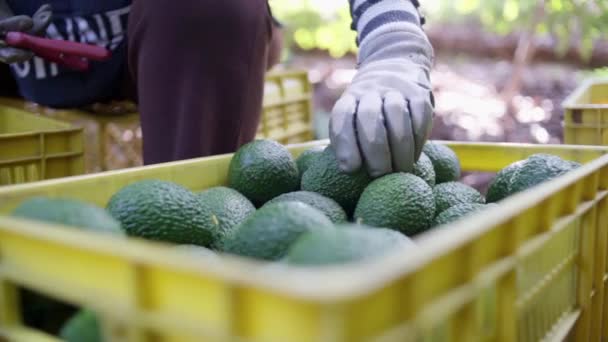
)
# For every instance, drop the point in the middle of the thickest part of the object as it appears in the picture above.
(70, 54)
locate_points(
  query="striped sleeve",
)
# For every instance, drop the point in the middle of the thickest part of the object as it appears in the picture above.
(369, 15)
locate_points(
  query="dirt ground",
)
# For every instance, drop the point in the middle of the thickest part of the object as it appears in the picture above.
(469, 105)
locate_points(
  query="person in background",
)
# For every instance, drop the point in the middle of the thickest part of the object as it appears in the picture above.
(196, 70)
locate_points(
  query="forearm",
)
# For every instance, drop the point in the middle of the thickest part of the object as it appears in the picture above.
(389, 29)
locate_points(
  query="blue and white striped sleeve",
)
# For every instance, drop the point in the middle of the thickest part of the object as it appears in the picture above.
(393, 26)
(375, 13)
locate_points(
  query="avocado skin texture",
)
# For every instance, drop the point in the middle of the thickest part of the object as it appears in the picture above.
(537, 169)
(450, 194)
(399, 201)
(263, 169)
(325, 177)
(500, 187)
(345, 244)
(228, 208)
(307, 157)
(82, 327)
(424, 169)
(329, 207)
(458, 211)
(445, 162)
(163, 211)
(269, 232)
(69, 212)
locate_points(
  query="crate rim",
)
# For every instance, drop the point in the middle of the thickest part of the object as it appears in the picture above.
(324, 285)
(71, 129)
(62, 126)
(286, 73)
(570, 101)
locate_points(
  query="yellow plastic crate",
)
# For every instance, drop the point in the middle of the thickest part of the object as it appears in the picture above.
(287, 115)
(33, 148)
(115, 142)
(586, 114)
(111, 141)
(530, 268)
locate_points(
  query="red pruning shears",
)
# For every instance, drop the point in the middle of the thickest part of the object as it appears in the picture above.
(66, 53)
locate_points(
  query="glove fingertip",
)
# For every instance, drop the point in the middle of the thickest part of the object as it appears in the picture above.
(18, 23)
(349, 160)
(345, 167)
(375, 173)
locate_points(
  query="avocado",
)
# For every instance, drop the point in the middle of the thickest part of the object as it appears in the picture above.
(329, 207)
(458, 211)
(82, 327)
(500, 187)
(345, 244)
(325, 177)
(539, 168)
(163, 211)
(399, 201)
(268, 233)
(307, 157)
(424, 169)
(445, 162)
(228, 208)
(450, 194)
(263, 169)
(69, 212)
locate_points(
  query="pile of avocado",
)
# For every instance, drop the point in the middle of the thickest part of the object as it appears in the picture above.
(272, 202)
(302, 211)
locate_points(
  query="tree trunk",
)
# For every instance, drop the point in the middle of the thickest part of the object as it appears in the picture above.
(524, 53)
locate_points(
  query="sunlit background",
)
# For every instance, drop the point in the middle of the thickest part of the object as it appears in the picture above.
(502, 67)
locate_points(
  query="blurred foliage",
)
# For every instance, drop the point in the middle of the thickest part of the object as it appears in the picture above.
(315, 24)
(598, 72)
(325, 24)
(576, 22)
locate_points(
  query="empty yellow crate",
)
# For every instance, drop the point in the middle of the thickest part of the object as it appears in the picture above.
(111, 141)
(586, 114)
(532, 267)
(115, 141)
(287, 110)
(33, 148)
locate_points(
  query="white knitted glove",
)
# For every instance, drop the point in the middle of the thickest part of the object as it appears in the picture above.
(384, 117)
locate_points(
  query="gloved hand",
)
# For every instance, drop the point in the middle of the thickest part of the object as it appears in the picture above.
(36, 25)
(384, 117)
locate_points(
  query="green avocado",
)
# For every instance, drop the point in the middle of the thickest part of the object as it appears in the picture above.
(329, 207)
(69, 212)
(228, 209)
(458, 211)
(268, 233)
(163, 211)
(501, 185)
(445, 162)
(263, 169)
(399, 201)
(424, 169)
(307, 157)
(537, 169)
(450, 194)
(325, 177)
(345, 244)
(82, 327)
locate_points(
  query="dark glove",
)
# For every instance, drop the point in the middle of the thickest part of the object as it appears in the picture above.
(35, 25)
